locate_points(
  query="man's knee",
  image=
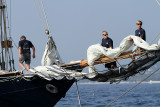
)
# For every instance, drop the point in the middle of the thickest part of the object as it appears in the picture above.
(20, 62)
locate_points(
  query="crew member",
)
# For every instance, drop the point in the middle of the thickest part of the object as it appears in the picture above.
(24, 52)
(140, 32)
(108, 43)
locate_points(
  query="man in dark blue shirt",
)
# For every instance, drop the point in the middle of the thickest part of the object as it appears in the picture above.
(24, 52)
(140, 31)
(108, 43)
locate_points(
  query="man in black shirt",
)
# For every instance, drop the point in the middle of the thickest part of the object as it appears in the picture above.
(24, 52)
(108, 43)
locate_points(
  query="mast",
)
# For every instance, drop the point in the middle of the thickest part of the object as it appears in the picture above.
(6, 56)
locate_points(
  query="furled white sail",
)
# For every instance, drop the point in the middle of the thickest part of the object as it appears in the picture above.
(50, 55)
(94, 52)
(122, 73)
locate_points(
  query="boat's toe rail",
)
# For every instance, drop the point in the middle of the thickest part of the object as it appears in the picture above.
(3, 73)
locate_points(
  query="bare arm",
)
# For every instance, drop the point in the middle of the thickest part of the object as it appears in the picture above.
(130, 38)
(20, 56)
(141, 37)
(111, 47)
(33, 48)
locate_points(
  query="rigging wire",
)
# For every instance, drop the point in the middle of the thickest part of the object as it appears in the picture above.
(155, 38)
(158, 2)
(45, 16)
(132, 87)
(118, 63)
(9, 50)
(159, 32)
(44, 22)
(42, 14)
(39, 15)
(79, 100)
(2, 63)
(5, 36)
(10, 17)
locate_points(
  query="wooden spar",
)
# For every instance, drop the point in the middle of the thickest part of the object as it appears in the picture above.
(125, 55)
(8, 73)
(84, 63)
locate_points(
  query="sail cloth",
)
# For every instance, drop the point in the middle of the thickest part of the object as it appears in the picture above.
(143, 62)
(50, 55)
(151, 56)
(94, 52)
(56, 72)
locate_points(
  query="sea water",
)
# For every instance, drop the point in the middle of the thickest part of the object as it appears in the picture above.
(100, 95)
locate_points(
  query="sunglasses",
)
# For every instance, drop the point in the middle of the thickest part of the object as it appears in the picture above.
(104, 34)
(138, 24)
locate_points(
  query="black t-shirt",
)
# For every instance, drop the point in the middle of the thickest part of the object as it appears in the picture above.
(107, 42)
(25, 45)
(141, 32)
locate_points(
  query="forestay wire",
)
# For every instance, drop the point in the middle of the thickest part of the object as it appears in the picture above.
(132, 87)
(44, 22)
(42, 14)
(158, 2)
(155, 38)
(159, 32)
(79, 100)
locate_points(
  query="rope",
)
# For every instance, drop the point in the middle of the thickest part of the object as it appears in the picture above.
(5, 35)
(155, 38)
(118, 63)
(10, 17)
(158, 2)
(132, 87)
(44, 22)
(39, 16)
(6, 24)
(79, 100)
(45, 16)
(10, 78)
(42, 14)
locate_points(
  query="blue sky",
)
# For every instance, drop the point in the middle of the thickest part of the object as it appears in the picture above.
(77, 24)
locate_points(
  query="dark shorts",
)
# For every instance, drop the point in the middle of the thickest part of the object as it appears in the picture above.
(25, 57)
(109, 65)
